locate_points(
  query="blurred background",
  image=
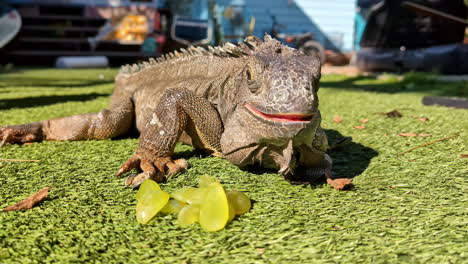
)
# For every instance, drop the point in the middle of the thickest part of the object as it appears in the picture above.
(369, 35)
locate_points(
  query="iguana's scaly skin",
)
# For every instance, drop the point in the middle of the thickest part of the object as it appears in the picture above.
(254, 104)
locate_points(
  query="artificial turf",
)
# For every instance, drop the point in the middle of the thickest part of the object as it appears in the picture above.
(403, 209)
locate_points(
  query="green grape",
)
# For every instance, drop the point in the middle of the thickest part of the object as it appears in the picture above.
(190, 195)
(150, 204)
(198, 196)
(173, 207)
(210, 204)
(239, 201)
(188, 215)
(205, 180)
(214, 211)
(232, 212)
(147, 186)
(183, 194)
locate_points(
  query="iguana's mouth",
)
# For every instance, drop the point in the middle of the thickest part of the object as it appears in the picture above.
(282, 117)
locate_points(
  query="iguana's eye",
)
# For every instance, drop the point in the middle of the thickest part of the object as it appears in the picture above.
(253, 84)
(249, 73)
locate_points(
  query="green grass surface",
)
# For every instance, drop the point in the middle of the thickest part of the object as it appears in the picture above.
(408, 209)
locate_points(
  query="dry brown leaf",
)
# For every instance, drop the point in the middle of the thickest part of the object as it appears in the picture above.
(365, 120)
(359, 127)
(29, 202)
(393, 113)
(423, 119)
(337, 119)
(340, 184)
(463, 155)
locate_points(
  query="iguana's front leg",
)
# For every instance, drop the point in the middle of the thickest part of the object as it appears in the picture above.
(314, 163)
(178, 110)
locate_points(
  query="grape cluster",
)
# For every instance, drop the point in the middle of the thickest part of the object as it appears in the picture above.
(209, 204)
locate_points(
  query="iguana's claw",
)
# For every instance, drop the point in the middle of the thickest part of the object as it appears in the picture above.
(135, 179)
(130, 164)
(19, 134)
(158, 169)
(4, 140)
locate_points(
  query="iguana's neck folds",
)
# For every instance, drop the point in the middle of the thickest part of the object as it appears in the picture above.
(289, 117)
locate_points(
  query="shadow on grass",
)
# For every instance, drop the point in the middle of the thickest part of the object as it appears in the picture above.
(46, 100)
(189, 153)
(350, 159)
(9, 69)
(411, 82)
(37, 82)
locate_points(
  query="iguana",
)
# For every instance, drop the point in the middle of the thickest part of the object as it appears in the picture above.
(254, 103)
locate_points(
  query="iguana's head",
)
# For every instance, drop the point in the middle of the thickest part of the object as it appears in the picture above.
(279, 83)
(282, 88)
(276, 100)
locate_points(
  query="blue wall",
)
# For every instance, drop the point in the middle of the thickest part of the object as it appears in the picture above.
(327, 19)
(335, 18)
(288, 14)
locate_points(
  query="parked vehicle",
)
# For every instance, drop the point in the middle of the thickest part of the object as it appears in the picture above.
(304, 42)
(204, 22)
(403, 36)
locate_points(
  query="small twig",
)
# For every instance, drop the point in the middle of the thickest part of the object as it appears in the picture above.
(428, 143)
(18, 160)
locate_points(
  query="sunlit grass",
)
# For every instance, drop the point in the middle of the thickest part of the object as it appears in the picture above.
(403, 209)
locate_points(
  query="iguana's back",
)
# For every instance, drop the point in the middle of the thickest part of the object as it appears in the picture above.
(204, 73)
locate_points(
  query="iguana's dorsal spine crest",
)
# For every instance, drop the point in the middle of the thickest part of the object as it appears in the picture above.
(249, 46)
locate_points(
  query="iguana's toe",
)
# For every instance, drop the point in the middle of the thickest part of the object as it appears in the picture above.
(157, 169)
(134, 180)
(130, 164)
(5, 139)
(175, 167)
